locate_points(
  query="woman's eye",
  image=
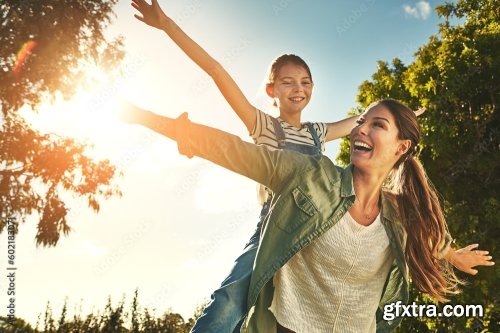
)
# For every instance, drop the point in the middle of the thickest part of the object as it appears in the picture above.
(378, 124)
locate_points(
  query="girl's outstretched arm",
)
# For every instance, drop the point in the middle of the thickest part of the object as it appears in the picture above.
(341, 128)
(154, 16)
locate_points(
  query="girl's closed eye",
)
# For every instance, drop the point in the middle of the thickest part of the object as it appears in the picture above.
(378, 124)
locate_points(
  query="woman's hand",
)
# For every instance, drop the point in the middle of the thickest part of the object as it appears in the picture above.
(152, 14)
(467, 258)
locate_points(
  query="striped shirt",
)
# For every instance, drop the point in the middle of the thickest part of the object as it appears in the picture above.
(263, 133)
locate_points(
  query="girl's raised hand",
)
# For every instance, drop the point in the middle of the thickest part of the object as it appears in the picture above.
(152, 14)
(420, 111)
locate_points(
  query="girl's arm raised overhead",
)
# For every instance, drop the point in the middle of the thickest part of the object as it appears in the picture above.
(154, 16)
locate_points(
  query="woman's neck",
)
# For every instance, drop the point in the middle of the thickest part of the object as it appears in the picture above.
(367, 186)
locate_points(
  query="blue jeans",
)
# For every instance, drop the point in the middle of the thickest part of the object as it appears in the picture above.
(227, 309)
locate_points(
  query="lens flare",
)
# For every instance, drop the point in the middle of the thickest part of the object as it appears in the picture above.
(23, 55)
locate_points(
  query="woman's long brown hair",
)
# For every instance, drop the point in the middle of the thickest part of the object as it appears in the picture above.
(420, 212)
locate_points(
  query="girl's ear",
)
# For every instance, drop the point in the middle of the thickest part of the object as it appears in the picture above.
(270, 90)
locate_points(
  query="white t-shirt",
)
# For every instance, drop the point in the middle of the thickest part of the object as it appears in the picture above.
(335, 283)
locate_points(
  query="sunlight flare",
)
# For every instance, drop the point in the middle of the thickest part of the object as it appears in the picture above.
(22, 56)
(91, 115)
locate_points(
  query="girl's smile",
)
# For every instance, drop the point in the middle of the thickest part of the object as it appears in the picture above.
(292, 92)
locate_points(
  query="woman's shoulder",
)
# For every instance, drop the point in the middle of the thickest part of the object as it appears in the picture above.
(390, 196)
(390, 204)
(333, 171)
(304, 163)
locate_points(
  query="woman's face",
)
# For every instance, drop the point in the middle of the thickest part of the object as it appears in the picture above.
(374, 141)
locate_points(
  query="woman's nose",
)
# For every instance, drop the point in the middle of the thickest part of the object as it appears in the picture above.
(362, 128)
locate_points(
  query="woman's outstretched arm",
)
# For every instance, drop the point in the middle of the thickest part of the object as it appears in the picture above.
(154, 16)
(269, 168)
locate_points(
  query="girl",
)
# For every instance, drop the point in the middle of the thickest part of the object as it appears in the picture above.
(290, 85)
(346, 236)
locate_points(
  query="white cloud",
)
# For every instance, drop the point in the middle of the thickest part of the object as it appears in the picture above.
(422, 10)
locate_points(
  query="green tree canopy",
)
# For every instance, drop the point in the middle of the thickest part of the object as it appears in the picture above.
(456, 75)
(46, 47)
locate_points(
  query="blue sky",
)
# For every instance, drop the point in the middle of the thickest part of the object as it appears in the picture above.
(180, 223)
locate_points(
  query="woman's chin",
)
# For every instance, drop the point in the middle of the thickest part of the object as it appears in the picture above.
(360, 158)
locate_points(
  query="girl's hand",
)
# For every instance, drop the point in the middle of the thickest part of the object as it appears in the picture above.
(467, 258)
(420, 111)
(151, 14)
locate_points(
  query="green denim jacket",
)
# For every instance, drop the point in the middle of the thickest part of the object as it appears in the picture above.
(312, 194)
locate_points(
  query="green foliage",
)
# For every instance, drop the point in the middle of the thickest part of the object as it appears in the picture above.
(18, 325)
(46, 48)
(456, 76)
(343, 158)
(113, 319)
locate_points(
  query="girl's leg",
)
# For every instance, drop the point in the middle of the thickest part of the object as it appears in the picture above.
(228, 306)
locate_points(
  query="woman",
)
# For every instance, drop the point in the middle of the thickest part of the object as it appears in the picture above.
(338, 244)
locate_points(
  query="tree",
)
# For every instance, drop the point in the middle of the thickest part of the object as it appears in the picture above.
(17, 325)
(46, 48)
(456, 75)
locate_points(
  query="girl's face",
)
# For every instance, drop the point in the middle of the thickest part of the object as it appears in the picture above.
(375, 144)
(292, 89)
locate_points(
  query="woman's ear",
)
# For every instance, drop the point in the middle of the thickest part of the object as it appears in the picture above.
(270, 90)
(404, 145)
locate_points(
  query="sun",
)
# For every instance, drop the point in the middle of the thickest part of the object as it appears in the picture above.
(91, 115)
